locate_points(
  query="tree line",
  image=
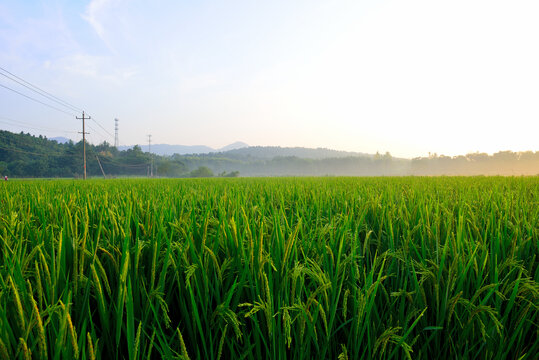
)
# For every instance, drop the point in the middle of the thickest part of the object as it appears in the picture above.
(25, 155)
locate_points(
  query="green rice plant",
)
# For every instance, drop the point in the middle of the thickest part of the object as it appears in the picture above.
(283, 268)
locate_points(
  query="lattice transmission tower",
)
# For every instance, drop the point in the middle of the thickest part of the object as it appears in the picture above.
(116, 141)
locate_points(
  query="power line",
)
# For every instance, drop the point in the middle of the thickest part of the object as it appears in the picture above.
(25, 152)
(104, 159)
(38, 92)
(95, 131)
(111, 162)
(46, 94)
(36, 100)
(28, 125)
(105, 130)
(91, 141)
(65, 103)
(57, 100)
(39, 154)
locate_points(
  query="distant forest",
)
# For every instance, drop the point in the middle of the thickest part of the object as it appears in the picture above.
(25, 155)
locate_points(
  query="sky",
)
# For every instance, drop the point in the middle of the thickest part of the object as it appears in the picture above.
(409, 77)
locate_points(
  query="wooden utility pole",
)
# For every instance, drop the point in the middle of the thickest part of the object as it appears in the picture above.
(83, 118)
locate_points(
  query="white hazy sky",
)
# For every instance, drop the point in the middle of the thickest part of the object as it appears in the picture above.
(408, 77)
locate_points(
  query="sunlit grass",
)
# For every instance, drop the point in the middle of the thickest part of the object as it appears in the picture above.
(270, 268)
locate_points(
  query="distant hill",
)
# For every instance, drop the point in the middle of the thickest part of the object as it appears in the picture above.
(167, 149)
(270, 152)
(61, 139)
(240, 150)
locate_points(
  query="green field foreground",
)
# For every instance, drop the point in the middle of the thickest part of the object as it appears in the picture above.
(325, 268)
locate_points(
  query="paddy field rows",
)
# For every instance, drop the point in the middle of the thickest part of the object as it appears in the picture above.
(347, 268)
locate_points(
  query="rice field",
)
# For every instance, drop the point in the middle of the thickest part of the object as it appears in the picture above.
(326, 268)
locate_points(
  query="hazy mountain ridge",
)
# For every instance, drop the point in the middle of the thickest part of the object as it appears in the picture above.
(240, 150)
(270, 152)
(168, 149)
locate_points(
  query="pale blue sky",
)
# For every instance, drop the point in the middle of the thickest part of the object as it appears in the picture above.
(409, 77)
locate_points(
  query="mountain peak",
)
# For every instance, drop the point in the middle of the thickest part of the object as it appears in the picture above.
(234, 146)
